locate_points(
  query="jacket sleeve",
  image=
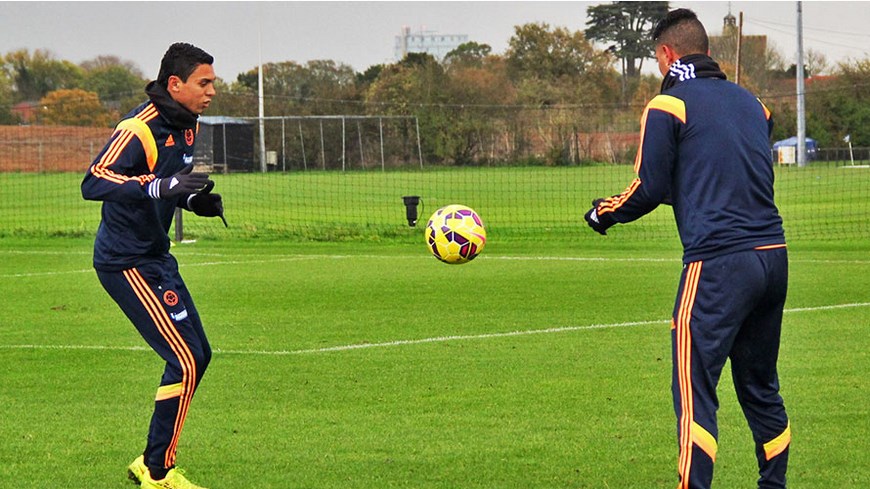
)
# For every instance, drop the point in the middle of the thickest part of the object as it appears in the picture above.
(660, 124)
(123, 169)
(769, 117)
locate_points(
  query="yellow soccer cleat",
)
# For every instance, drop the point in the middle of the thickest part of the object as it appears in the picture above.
(137, 469)
(174, 479)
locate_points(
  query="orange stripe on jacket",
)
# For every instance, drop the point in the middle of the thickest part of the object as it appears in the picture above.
(114, 151)
(101, 170)
(665, 103)
(122, 139)
(766, 110)
(610, 204)
(771, 247)
(148, 113)
(179, 347)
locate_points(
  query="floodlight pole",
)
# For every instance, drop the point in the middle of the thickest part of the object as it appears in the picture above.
(260, 99)
(801, 108)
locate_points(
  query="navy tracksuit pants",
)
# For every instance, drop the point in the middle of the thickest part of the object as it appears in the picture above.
(155, 299)
(730, 307)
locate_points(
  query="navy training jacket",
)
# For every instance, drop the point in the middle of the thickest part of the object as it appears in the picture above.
(705, 149)
(155, 140)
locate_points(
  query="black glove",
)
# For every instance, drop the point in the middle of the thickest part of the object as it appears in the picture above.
(182, 183)
(207, 204)
(599, 223)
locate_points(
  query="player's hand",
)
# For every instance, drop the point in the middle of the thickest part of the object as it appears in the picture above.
(182, 183)
(207, 204)
(599, 223)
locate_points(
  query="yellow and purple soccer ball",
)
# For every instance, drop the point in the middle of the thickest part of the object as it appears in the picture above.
(455, 234)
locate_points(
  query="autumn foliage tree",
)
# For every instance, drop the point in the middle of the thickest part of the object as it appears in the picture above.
(74, 107)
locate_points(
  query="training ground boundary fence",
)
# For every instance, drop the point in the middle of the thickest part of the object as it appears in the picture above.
(41, 169)
(303, 143)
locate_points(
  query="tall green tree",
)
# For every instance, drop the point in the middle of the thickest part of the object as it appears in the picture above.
(111, 77)
(6, 100)
(841, 106)
(319, 86)
(119, 84)
(477, 89)
(538, 51)
(468, 54)
(552, 66)
(34, 75)
(364, 79)
(626, 28)
(415, 86)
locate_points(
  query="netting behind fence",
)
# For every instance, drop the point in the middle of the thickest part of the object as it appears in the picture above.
(823, 201)
(531, 173)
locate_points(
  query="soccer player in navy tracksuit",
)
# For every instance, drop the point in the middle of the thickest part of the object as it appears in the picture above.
(142, 175)
(705, 149)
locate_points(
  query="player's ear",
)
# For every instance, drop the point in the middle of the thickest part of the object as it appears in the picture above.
(174, 83)
(670, 54)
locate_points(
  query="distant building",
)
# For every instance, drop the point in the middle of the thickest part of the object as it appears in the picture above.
(430, 42)
(724, 48)
(26, 111)
(753, 55)
(225, 144)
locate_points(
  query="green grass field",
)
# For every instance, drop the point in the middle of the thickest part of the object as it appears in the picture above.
(347, 357)
(372, 365)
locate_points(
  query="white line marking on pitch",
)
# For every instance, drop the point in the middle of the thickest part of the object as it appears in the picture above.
(290, 258)
(437, 339)
(186, 265)
(44, 274)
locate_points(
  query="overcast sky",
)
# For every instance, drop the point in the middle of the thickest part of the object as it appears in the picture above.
(362, 34)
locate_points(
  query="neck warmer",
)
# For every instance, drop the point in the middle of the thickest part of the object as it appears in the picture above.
(174, 112)
(691, 66)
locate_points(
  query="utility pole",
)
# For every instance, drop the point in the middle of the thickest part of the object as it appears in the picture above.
(801, 108)
(260, 95)
(739, 47)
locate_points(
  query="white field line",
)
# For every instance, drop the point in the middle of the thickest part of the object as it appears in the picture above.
(186, 265)
(290, 258)
(300, 257)
(436, 339)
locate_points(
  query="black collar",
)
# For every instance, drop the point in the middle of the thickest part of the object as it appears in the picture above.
(174, 112)
(691, 66)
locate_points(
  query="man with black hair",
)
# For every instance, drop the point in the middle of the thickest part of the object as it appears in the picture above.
(705, 150)
(142, 175)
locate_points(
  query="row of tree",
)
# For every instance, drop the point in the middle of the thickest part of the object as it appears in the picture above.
(89, 94)
(550, 85)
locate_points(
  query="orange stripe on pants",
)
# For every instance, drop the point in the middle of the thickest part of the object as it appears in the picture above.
(683, 338)
(179, 347)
